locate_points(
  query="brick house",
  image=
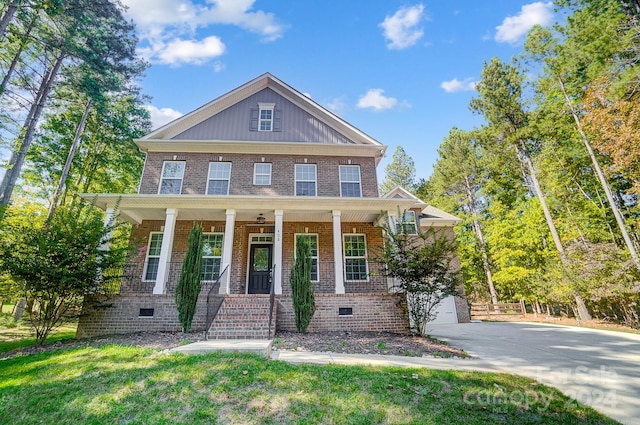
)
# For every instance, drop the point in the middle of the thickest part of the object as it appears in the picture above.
(259, 167)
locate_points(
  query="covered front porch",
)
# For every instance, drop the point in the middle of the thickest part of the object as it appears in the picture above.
(254, 240)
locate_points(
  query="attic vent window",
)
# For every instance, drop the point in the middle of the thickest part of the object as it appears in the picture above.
(266, 116)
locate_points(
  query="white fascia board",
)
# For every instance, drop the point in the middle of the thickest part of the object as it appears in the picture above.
(286, 148)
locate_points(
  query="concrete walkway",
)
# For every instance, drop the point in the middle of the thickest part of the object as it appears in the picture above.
(598, 368)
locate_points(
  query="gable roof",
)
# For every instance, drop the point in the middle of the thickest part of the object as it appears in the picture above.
(182, 124)
(431, 216)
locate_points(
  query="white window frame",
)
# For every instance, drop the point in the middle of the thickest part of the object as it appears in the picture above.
(148, 256)
(219, 257)
(257, 174)
(268, 109)
(315, 178)
(359, 181)
(209, 179)
(409, 219)
(162, 176)
(355, 257)
(315, 257)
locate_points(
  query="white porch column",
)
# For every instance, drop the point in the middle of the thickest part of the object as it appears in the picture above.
(109, 219)
(227, 251)
(337, 252)
(277, 253)
(165, 250)
(392, 220)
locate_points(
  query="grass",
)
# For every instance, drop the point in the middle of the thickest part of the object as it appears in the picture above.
(117, 384)
(20, 334)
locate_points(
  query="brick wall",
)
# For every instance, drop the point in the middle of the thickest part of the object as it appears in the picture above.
(121, 314)
(370, 312)
(282, 173)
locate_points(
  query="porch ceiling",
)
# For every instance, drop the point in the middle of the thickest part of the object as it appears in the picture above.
(136, 208)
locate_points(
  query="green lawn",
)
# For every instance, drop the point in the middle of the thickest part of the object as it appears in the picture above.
(19, 335)
(117, 385)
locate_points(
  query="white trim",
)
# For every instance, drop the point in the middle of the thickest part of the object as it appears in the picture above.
(144, 167)
(164, 163)
(347, 181)
(165, 250)
(214, 256)
(337, 252)
(255, 173)
(366, 254)
(403, 222)
(295, 179)
(251, 242)
(209, 179)
(277, 252)
(227, 249)
(266, 107)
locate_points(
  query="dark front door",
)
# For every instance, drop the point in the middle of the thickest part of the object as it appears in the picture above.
(260, 269)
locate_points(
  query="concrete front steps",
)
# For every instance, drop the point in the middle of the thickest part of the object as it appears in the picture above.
(243, 317)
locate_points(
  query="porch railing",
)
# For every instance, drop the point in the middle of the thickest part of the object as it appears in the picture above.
(213, 308)
(272, 298)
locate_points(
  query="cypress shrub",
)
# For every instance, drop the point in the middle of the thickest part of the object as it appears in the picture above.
(304, 305)
(189, 284)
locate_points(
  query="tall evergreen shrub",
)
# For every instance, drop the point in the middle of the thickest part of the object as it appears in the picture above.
(304, 304)
(190, 276)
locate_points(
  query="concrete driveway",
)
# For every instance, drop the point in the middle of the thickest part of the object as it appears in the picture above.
(598, 368)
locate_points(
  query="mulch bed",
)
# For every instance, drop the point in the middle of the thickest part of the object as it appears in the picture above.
(337, 342)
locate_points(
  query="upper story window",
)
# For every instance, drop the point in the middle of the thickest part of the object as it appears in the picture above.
(306, 179)
(350, 181)
(262, 174)
(211, 255)
(152, 261)
(265, 116)
(172, 175)
(312, 239)
(219, 175)
(408, 224)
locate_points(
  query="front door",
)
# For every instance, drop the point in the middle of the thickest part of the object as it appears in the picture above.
(260, 269)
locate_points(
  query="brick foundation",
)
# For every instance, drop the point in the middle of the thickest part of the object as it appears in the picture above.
(372, 312)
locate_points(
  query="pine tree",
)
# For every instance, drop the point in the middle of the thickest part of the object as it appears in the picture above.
(190, 276)
(304, 304)
(400, 172)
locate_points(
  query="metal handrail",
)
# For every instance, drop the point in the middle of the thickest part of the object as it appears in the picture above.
(211, 315)
(271, 299)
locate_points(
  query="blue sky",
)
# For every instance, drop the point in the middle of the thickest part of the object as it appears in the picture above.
(402, 72)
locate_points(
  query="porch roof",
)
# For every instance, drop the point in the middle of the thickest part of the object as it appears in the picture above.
(136, 208)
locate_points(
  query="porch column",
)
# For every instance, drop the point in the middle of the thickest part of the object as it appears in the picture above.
(392, 220)
(337, 252)
(277, 253)
(227, 251)
(165, 250)
(109, 220)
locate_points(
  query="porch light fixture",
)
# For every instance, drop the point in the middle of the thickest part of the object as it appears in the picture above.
(260, 219)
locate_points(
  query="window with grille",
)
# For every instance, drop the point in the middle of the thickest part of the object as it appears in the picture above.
(355, 257)
(312, 239)
(262, 174)
(172, 175)
(152, 262)
(305, 179)
(211, 255)
(350, 181)
(219, 175)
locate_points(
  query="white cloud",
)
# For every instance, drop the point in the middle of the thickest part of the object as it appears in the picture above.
(161, 22)
(190, 51)
(375, 100)
(337, 105)
(401, 29)
(513, 28)
(455, 85)
(162, 116)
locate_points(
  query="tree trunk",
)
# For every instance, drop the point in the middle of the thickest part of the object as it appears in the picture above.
(16, 57)
(524, 153)
(483, 249)
(67, 166)
(603, 180)
(7, 17)
(17, 158)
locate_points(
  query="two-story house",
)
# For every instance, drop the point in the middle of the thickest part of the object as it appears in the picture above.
(259, 167)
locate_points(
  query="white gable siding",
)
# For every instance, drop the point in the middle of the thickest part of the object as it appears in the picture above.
(234, 124)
